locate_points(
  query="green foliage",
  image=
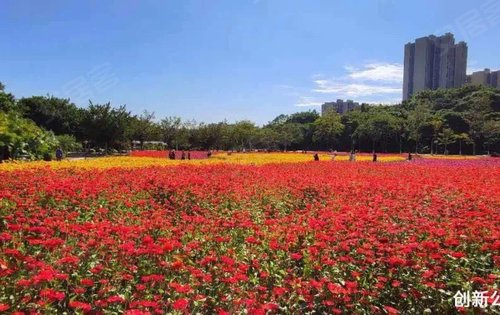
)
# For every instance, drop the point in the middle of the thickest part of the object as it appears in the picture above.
(425, 123)
(418, 118)
(170, 129)
(106, 126)
(23, 138)
(143, 128)
(327, 128)
(210, 136)
(378, 124)
(470, 110)
(52, 113)
(243, 134)
(7, 101)
(68, 143)
(446, 137)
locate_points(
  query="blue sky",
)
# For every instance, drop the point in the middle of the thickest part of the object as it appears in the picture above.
(228, 59)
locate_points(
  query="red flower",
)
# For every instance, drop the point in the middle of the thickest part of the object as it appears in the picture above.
(391, 310)
(458, 254)
(80, 306)
(180, 304)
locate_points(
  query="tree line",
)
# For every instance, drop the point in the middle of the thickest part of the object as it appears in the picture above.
(460, 121)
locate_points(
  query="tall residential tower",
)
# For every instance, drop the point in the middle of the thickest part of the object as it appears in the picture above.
(340, 106)
(485, 77)
(434, 62)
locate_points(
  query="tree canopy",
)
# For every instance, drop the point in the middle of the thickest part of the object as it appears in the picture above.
(463, 120)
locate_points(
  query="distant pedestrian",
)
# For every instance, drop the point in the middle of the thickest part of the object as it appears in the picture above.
(410, 157)
(189, 155)
(374, 157)
(59, 154)
(334, 155)
(183, 155)
(316, 157)
(352, 156)
(209, 153)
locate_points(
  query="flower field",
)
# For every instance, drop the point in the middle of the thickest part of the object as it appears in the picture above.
(139, 159)
(247, 233)
(195, 155)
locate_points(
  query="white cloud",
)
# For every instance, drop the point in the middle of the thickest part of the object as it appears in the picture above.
(343, 88)
(386, 72)
(306, 101)
(471, 70)
(378, 101)
(372, 82)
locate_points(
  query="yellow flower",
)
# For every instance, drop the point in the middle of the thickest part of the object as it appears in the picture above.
(235, 158)
(451, 157)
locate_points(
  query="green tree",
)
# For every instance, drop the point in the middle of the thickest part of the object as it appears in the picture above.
(20, 137)
(7, 101)
(68, 143)
(446, 137)
(170, 128)
(184, 138)
(462, 138)
(491, 132)
(417, 119)
(328, 128)
(210, 136)
(476, 117)
(106, 126)
(52, 113)
(268, 138)
(436, 123)
(378, 126)
(288, 134)
(244, 134)
(143, 128)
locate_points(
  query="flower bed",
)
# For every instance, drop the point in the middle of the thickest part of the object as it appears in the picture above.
(224, 238)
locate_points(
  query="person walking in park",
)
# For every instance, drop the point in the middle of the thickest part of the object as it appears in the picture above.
(316, 157)
(183, 155)
(410, 157)
(352, 156)
(189, 155)
(59, 154)
(334, 155)
(374, 157)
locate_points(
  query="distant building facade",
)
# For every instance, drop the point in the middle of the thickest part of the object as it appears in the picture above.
(340, 106)
(433, 62)
(485, 77)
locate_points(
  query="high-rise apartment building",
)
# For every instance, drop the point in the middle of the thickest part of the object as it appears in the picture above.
(485, 77)
(434, 62)
(340, 106)
(495, 79)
